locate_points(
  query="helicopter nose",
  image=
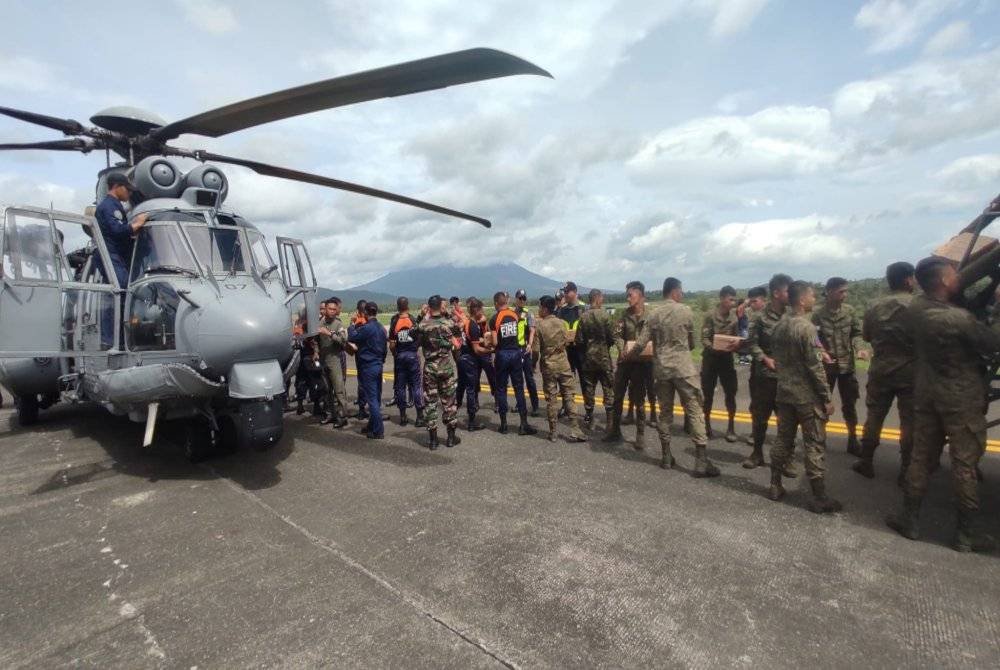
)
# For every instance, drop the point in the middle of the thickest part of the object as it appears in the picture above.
(243, 327)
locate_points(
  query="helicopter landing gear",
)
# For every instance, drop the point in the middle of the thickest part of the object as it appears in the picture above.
(201, 441)
(27, 409)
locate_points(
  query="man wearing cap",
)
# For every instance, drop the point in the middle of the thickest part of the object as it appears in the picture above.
(526, 338)
(571, 312)
(115, 227)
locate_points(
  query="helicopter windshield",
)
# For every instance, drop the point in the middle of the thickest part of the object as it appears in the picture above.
(219, 250)
(160, 249)
(261, 256)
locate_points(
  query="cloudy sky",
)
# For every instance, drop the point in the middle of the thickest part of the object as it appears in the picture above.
(715, 140)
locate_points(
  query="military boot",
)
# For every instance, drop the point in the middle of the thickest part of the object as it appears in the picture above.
(551, 437)
(614, 429)
(969, 536)
(666, 459)
(821, 503)
(853, 446)
(453, 440)
(575, 433)
(526, 428)
(421, 422)
(652, 416)
(702, 466)
(755, 459)
(588, 417)
(905, 521)
(402, 417)
(629, 418)
(791, 469)
(777, 491)
(502, 429)
(865, 466)
(708, 425)
(731, 436)
(474, 425)
(433, 442)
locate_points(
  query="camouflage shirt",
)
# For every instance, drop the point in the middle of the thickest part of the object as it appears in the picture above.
(761, 328)
(628, 326)
(437, 335)
(332, 344)
(801, 377)
(892, 343)
(716, 324)
(840, 333)
(670, 327)
(553, 333)
(596, 336)
(952, 347)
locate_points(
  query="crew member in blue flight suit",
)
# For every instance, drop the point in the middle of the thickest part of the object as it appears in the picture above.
(372, 347)
(509, 362)
(406, 364)
(117, 232)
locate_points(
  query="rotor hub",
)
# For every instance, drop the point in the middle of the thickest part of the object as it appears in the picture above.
(127, 120)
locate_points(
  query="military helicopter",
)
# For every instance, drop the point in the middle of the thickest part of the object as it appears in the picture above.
(203, 331)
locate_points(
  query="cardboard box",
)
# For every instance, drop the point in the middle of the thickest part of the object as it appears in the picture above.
(954, 249)
(726, 342)
(645, 355)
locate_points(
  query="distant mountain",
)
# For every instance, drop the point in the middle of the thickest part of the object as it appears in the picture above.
(447, 280)
(350, 296)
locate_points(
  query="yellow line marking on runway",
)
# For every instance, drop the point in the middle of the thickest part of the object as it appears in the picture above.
(832, 427)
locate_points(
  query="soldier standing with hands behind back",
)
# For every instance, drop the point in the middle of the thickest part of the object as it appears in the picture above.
(557, 375)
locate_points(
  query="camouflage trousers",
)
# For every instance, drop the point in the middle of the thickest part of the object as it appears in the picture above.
(589, 380)
(440, 385)
(813, 423)
(879, 395)
(637, 377)
(692, 399)
(558, 383)
(966, 435)
(847, 384)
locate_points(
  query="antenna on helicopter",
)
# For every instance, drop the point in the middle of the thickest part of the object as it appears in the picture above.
(135, 134)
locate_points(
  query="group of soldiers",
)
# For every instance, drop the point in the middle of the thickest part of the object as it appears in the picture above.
(929, 355)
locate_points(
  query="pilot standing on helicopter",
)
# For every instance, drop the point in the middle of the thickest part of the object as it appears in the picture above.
(115, 227)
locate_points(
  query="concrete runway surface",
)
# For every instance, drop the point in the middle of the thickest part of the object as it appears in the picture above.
(333, 550)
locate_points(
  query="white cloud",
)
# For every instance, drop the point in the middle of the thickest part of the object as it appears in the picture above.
(949, 38)
(210, 16)
(776, 142)
(21, 190)
(800, 241)
(732, 16)
(20, 73)
(897, 23)
(972, 171)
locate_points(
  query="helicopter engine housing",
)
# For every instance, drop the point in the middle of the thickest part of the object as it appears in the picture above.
(157, 177)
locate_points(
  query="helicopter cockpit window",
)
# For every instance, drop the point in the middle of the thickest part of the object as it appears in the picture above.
(261, 256)
(219, 250)
(29, 252)
(160, 249)
(151, 317)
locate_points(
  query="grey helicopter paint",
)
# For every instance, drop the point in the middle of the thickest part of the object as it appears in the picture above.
(203, 330)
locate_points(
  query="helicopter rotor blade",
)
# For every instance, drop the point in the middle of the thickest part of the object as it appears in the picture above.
(65, 126)
(295, 175)
(460, 67)
(54, 145)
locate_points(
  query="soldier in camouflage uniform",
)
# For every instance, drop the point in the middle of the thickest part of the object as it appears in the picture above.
(557, 374)
(596, 337)
(438, 335)
(840, 334)
(631, 373)
(803, 397)
(951, 386)
(670, 327)
(764, 373)
(719, 366)
(332, 343)
(891, 374)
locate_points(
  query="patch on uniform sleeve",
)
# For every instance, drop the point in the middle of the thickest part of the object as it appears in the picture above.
(118, 214)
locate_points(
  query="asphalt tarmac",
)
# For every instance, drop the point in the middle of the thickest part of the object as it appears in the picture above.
(334, 550)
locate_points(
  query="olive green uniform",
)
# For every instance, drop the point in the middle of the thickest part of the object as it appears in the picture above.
(596, 335)
(890, 376)
(840, 333)
(552, 334)
(801, 395)
(765, 386)
(636, 375)
(670, 327)
(951, 386)
(718, 366)
(330, 349)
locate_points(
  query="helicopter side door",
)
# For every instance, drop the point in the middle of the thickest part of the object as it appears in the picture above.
(47, 310)
(300, 284)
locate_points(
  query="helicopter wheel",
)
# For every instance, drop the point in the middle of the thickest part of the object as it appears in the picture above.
(229, 437)
(27, 409)
(200, 442)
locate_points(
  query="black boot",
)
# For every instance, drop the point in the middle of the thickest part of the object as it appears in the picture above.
(666, 458)
(588, 417)
(853, 446)
(433, 443)
(421, 422)
(402, 417)
(300, 407)
(865, 466)
(503, 425)
(969, 535)
(777, 491)
(525, 428)
(614, 432)
(905, 522)
(474, 425)
(821, 503)
(453, 440)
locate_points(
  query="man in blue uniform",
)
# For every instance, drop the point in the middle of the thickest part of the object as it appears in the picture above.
(371, 342)
(405, 363)
(526, 337)
(509, 362)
